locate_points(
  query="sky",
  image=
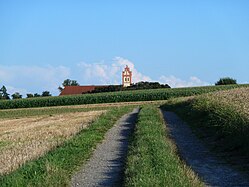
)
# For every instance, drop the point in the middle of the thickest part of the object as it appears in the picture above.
(181, 43)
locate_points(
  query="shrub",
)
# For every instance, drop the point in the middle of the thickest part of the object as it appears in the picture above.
(16, 96)
(226, 81)
(46, 94)
(29, 95)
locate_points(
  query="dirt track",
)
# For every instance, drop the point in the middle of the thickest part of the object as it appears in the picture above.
(105, 167)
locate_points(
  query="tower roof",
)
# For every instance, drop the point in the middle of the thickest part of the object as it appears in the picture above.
(127, 69)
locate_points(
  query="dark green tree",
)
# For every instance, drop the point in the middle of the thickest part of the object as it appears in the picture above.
(37, 95)
(138, 86)
(29, 95)
(46, 94)
(226, 81)
(68, 82)
(74, 83)
(3, 93)
(146, 85)
(16, 96)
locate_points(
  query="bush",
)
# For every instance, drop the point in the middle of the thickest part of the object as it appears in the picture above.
(138, 86)
(16, 96)
(147, 85)
(46, 94)
(29, 95)
(226, 81)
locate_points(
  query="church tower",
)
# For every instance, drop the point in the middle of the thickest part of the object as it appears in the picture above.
(126, 77)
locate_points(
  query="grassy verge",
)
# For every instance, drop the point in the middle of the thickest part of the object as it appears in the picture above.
(221, 126)
(58, 165)
(152, 158)
(226, 126)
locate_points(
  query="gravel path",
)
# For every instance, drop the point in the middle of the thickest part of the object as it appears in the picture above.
(213, 171)
(106, 166)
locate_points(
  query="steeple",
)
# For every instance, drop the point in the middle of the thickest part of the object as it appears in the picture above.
(126, 77)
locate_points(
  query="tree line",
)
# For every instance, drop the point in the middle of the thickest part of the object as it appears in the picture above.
(111, 88)
(5, 96)
(137, 86)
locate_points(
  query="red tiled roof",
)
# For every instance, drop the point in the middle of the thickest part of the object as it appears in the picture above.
(73, 90)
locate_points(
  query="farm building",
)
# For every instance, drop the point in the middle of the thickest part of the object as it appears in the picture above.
(74, 90)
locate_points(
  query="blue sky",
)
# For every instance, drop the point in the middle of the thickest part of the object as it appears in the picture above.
(182, 43)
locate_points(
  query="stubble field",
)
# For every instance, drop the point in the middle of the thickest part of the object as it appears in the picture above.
(28, 138)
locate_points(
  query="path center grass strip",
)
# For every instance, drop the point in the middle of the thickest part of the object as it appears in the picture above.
(58, 165)
(152, 158)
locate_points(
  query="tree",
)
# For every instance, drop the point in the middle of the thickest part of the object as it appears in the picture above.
(74, 83)
(146, 85)
(138, 86)
(3, 93)
(29, 95)
(68, 82)
(37, 95)
(16, 96)
(226, 81)
(46, 94)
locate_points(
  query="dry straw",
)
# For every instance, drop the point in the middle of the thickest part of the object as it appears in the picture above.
(26, 139)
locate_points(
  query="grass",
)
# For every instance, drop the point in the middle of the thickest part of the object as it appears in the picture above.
(3, 144)
(222, 115)
(152, 157)
(57, 166)
(221, 121)
(237, 98)
(227, 117)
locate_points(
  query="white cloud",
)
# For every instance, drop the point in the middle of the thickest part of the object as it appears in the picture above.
(137, 76)
(102, 73)
(33, 78)
(11, 90)
(98, 73)
(175, 82)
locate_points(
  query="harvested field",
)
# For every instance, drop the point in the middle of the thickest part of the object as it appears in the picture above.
(25, 139)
